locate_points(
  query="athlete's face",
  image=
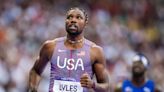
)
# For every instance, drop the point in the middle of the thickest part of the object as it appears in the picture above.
(138, 69)
(75, 22)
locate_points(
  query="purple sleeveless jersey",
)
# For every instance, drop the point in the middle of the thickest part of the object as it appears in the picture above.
(69, 65)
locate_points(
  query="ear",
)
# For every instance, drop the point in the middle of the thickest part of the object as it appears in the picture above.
(85, 25)
(86, 22)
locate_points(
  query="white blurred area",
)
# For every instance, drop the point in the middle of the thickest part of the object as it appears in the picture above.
(121, 27)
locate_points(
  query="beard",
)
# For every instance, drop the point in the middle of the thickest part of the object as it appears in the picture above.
(73, 30)
(73, 33)
(138, 74)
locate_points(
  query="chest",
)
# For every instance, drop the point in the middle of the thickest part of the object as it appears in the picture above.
(129, 87)
(133, 89)
(72, 59)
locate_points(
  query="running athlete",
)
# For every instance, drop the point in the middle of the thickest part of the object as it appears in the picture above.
(74, 60)
(138, 83)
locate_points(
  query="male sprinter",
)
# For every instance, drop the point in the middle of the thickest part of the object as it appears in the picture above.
(138, 83)
(74, 60)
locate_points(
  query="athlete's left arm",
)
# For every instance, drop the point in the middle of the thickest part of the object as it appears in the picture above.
(99, 69)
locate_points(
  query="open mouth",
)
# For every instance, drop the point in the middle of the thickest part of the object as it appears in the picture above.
(73, 27)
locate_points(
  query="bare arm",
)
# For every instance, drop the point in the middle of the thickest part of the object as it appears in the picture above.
(99, 64)
(41, 62)
(99, 68)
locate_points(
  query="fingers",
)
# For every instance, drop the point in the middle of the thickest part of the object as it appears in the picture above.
(86, 81)
(85, 75)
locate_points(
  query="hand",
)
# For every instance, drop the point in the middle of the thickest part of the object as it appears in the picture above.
(32, 90)
(86, 81)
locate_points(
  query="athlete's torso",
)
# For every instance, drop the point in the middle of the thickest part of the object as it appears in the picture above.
(67, 66)
(129, 87)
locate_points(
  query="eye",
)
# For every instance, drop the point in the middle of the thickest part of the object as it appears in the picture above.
(79, 17)
(69, 17)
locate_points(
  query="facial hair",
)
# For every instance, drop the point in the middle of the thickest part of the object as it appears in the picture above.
(73, 32)
(137, 74)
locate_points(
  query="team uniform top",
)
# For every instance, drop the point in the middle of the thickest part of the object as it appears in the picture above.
(129, 87)
(67, 66)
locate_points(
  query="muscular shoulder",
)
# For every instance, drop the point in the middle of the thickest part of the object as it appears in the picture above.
(47, 48)
(95, 48)
(51, 43)
(97, 54)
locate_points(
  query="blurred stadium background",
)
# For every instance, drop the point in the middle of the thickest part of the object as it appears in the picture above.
(121, 27)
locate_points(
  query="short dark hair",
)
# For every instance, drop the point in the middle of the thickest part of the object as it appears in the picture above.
(85, 13)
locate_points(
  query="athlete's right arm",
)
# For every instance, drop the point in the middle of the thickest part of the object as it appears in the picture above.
(36, 71)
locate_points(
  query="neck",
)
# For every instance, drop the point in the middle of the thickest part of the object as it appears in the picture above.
(75, 39)
(138, 81)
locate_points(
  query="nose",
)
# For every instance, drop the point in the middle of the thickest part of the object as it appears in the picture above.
(74, 20)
